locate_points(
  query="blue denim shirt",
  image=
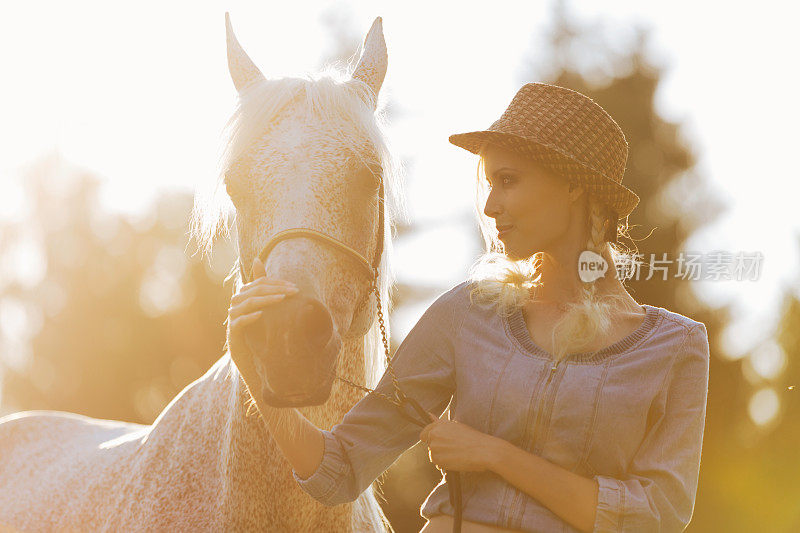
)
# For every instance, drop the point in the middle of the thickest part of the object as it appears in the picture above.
(630, 416)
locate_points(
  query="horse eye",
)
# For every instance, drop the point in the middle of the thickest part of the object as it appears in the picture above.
(233, 189)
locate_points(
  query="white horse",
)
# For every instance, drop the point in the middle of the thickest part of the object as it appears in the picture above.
(298, 152)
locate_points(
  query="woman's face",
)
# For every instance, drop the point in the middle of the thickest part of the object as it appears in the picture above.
(535, 203)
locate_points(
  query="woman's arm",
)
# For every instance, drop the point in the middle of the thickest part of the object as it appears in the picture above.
(301, 442)
(374, 432)
(571, 496)
(459, 447)
(659, 489)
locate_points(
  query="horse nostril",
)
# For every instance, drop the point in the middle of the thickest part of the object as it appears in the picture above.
(314, 324)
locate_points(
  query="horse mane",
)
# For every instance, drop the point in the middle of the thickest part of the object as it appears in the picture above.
(332, 98)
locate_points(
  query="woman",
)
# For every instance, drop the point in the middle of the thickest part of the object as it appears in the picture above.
(573, 407)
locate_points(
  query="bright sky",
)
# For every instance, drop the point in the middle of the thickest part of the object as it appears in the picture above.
(139, 94)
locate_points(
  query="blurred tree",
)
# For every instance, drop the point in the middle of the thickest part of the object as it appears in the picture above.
(750, 470)
(779, 469)
(120, 319)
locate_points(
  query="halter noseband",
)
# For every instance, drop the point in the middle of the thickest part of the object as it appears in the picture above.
(372, 269)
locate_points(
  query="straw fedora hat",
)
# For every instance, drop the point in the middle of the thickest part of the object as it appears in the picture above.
(568, 133)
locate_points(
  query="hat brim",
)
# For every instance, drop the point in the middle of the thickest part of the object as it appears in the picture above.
(619, 198)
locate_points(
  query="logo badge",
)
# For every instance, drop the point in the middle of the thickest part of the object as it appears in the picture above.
(591, 266)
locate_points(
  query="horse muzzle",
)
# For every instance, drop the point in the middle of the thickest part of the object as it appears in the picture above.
(295, 350)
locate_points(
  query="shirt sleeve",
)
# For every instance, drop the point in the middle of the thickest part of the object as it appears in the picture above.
(373, 433)
(658, 493)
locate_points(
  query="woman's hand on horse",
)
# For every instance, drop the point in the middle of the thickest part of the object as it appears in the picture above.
(456, 446)
(247, 303)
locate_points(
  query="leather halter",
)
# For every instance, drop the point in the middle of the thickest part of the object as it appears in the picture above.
(372, 269)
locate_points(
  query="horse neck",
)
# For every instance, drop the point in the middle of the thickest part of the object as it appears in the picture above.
(246, 469)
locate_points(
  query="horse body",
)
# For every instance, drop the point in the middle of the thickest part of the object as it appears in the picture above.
(202, 465)
(301, 152)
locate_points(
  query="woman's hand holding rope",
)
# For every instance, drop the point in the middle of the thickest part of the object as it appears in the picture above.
(456, 446)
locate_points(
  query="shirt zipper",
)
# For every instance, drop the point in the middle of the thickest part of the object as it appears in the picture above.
(518, 496)
(541, 402)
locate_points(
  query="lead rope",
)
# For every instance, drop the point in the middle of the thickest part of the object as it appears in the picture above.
(400, 400)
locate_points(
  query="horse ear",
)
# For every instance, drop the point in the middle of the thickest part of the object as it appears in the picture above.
(243, 70)
(371, 68)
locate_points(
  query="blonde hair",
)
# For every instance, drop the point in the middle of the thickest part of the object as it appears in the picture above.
(507, 284)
